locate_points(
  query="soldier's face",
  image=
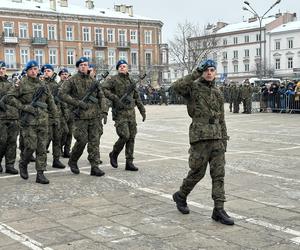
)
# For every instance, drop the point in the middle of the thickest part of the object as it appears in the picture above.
(64, 76)
(209, 74)
(123, 68)
(2, 71)
(48, 73)
(32, 72)
(83, 67)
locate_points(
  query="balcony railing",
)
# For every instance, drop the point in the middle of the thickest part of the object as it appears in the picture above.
(10, 40)
(100, 44)
(123, 45)
(39, 41)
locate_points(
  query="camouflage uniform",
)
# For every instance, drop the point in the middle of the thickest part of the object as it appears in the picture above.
(124, 117)
(246, 96)
(88, 126)
(207, 134)
(9, 127)
(35, 129)
(235, 95)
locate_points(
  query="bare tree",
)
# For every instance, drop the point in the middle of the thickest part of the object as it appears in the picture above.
(190, 45)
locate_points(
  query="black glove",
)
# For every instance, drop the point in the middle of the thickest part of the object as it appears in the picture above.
(144, 116)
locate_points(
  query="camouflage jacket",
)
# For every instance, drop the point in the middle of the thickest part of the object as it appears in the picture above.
(22, 95)
(246, 92)
(11, 112)
(73, 91)
(114, 88)
(205, 106)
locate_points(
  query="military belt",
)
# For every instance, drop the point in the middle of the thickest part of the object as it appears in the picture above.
(207, 121)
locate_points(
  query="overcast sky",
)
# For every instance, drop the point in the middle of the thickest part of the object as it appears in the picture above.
(201, 12)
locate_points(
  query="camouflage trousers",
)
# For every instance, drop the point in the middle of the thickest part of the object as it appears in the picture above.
(66, 138)
(202, 153)
(35, 139)
(247, 105)
(54, 136)
(8, 141)
(126, 131)
(87, 132)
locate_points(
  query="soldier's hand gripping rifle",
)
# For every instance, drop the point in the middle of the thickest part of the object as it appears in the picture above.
(35, 103)
(88, 96)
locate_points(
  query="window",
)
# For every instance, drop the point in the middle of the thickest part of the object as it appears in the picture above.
(258, 52)
(69, 33)
(100, 57)
(23, 30)
(70, 56)
(39, 56)
(111, 35)
(224, 41)
(224, 55)
(148, 58)
(24, 54)
(10, 58)
(134, 59)
(235, 40)
(88, 54)
(225, 69)
(277, 63)
(148, 36)
(123, 55)
(8, 29)
(290, 62)
(122, 37)
(51, 32)
(277, 45)
(246, 39)
(247, 67)
(235, 54)
(257, 37)
(37, 30)
(290, 43)
(53, 56)
(99, 40)
(235, 68)
(246, 53)
(86, 34)
(111, 57)
(133, 36)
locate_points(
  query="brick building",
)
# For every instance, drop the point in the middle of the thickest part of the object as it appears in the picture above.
(55, 32)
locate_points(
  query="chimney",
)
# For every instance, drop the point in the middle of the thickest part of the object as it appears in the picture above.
(53, 5)
(17, 1)
(252, 19)
(129, 10)
(89, 4)
(63, 3)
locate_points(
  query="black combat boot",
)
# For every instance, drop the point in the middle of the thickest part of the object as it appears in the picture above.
(58, 164)
(23, 171)
(41, 178)
(113, 159)
(66, 153)
(97, 171)
(11, 170)
(1, 168)
(74, 167)
(221, 216)
(32, 158)
(181, 203)
(130, 166)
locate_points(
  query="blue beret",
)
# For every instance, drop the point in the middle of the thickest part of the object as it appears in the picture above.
(81, 60)
(64, 70)
(92, 66)
(204, 65)
(2, 64)
(46, 66)
(119, 63)
(31, 64)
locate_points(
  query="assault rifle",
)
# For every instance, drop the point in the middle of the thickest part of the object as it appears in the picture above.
(88, 96)
(36, 103)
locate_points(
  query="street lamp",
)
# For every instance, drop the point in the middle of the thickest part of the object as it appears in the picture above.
(260, 18)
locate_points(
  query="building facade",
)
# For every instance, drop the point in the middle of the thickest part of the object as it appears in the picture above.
(55, 32)
(239, 48)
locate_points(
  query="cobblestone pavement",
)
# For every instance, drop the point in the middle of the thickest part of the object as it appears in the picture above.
(134, 210)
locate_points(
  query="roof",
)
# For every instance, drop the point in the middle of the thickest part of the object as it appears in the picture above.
(244, 25)
(287, 27)
(71, 10)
